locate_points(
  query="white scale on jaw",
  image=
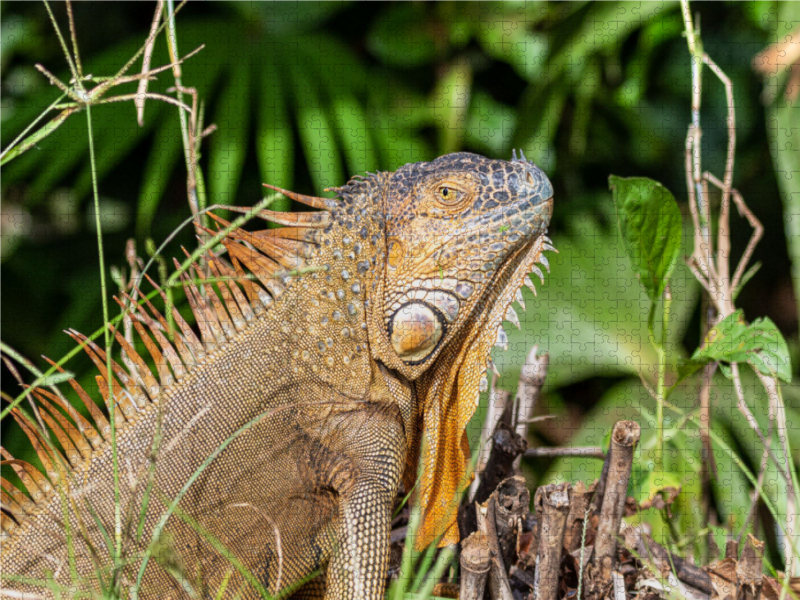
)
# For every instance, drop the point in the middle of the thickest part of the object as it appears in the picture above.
(511, 314)
(416, 328)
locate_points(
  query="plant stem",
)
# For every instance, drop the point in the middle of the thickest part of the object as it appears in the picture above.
(108, 341)
(662, 370)
(188, 151)
(658, 346)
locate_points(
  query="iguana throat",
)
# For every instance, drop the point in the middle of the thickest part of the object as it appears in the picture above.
(462, 234)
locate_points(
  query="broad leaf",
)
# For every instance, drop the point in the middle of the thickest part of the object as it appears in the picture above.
(760, 344)
(650, 224)
(229, 142)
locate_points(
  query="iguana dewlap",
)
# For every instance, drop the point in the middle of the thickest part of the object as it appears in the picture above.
(353, 375)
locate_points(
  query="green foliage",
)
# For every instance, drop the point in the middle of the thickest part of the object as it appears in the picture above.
(650, 224)
(760, 344)
(590, 316)
(783, 114)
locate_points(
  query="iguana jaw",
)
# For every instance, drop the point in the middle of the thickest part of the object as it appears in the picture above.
(442, 266)
(449, 394)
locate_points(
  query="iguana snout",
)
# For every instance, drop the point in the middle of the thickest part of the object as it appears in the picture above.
(451, 224)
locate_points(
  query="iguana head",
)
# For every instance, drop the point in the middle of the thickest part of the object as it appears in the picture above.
(462, 234)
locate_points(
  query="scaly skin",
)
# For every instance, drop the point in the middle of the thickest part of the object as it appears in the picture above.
(351, 376)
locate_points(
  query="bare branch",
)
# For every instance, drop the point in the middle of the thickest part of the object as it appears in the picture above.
(151, 95)
(148, 53)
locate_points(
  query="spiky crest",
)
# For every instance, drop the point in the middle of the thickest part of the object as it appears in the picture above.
(225, 301)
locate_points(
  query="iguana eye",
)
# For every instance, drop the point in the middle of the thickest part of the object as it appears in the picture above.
(449, 195)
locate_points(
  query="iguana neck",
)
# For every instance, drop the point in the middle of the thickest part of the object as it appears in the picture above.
(330, 335)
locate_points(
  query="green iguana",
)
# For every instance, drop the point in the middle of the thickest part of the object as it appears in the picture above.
(352, 376)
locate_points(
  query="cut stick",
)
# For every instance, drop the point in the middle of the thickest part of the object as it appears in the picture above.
(623, 442)
(750, 568)
(513, 500)
(579, 504)
(531, 380)
(499, 587)
(506, 446)
(498, 399)
(556, 503)
(475, 563)
(583, 451)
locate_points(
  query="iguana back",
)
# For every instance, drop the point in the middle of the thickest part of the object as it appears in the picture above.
(286, 426)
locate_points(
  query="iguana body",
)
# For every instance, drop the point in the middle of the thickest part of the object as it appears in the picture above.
(345, 375)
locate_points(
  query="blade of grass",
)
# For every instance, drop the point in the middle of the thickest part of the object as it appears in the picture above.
(422, 568)
(25, 131)
(744, 469)
(108, 341)
(399, 585)
(223, 550)
(224, 585)
(75, 75)
(33, 139)
(443, 561)
(173, 505)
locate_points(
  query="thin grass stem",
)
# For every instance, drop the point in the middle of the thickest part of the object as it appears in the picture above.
(108, 340)
(30, 126)
(173, 505)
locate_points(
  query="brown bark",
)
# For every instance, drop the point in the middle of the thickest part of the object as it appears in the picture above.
(620, 459)
(585, 451)
(580, 503)
(649, 550)
(556, 503)
(750, 568)
(475, 562)
(499, 586)
(512, 502)
(506, 446)
(531, 380)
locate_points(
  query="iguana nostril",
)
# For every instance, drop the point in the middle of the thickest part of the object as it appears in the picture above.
(529, 176)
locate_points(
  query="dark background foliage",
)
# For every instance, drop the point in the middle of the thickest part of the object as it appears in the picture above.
(305, 95)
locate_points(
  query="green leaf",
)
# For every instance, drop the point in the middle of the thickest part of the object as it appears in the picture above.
(760, 344)
(163, 155)
(274, 140)
(229, 142)
(319, 143)
(514, 43)
(650, 224)
(402, 36)
(450, 104)
(490, 124)
(351, 126)
(540, 111)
